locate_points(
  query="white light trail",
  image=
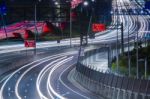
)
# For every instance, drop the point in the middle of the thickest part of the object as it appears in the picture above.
(49, 86)
(41, 74)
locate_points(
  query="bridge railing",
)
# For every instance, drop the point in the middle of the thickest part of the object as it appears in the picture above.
(112, 86)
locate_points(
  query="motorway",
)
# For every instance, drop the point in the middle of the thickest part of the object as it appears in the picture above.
(46, 77)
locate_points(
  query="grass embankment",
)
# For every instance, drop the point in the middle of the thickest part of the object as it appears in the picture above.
(144, 54)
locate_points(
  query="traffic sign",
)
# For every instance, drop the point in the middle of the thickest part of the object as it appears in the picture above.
(96, 27)
(29, 43)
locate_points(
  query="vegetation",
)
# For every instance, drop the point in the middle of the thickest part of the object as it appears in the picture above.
(144, 54)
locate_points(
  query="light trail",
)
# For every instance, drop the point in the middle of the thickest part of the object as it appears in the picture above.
(29, 69)
(41, 74)
(49, 86)
(4, 84)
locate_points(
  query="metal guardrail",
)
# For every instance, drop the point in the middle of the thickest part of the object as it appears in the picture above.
(115, 87)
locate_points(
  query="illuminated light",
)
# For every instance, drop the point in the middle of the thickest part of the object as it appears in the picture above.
(111, 12)
(85, 3)
(49, 86)
(56, 3)
(41, 75)
(98, 27)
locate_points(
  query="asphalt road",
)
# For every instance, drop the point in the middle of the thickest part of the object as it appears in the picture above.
(44, 78)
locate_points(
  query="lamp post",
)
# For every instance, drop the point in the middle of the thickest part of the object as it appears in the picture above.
(83, 37)
(35, 27)
(91, 17)
(85, 4)
(35, 22)
(117, 40)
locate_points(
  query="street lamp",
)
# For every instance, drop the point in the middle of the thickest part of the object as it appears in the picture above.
(91, 17)
(85, 3)
(35, 22)
(56, 3)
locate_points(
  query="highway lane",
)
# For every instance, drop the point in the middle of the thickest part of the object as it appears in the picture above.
(8, 61)
(14, 74)
(43, 79)
(11, 55)
(31, 74)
